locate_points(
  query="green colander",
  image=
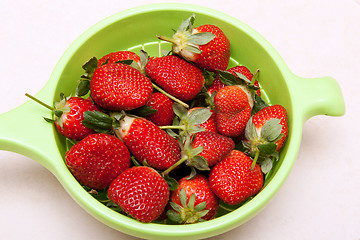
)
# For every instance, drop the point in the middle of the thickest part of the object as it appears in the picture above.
(136, 29)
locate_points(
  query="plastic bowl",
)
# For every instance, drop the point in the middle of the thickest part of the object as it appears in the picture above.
(135, 29)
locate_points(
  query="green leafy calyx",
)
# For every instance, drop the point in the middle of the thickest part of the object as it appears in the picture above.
(84, 84)
(100, 122)
(186, 39)
(187, 212)
(261, 143)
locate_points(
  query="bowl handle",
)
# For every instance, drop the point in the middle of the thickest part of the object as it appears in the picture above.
(318, 96)
(23, 130)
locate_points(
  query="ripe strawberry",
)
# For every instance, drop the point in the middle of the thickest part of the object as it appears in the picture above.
(263, 116)
(117, 86)
(97, 160)
(206, 45)
(232, 179)
(202, 150)
(233, 106)
(176, 76)
(265, 134)
(68, 116)
(141, 192)
(188, 123)
(148, 143)
(216, 146)
(164, 114)
(114, 57)
(208, 125)
(69, 123)
(193, 201)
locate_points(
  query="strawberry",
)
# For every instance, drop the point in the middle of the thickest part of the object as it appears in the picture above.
(232, 95)
(97, 160)
(202, 150)
(188, 125)
(176, 76)
(233, 106)
(193, 201)
(69, 123)
(148, 143)
(141, 192)
(232, 179)
(263, 116)
(205, 45)
(162, 104)
(216, 146)
(210, 124)
(68, 116)
(114, 57)
(265, 134)
(117, 86)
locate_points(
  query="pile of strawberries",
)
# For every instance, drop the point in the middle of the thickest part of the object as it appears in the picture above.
(171, 138)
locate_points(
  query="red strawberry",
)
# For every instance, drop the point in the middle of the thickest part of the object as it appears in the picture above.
(265, 135)
(119, 56)
(141, 192)
(232, 179)
(216, 146)
(176, 76)
(164, 112)
(188, 124)
(206, 45)
(272, 112)
(68, 116)
(148, 143)
(70, 123)
(117, 86)
(193, 201)
(202, 150)
(233, 106)
(97, 160)
(210, 124)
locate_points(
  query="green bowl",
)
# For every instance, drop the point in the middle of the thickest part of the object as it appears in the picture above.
(135, 29)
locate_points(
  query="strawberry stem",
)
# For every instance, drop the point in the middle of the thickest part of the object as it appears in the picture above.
(180, 127)
(40, 102)
(170, 96)
(255, 159)
(167, 171)
(225, 208)
(253, 79)
(71, 141)
(167, 39)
